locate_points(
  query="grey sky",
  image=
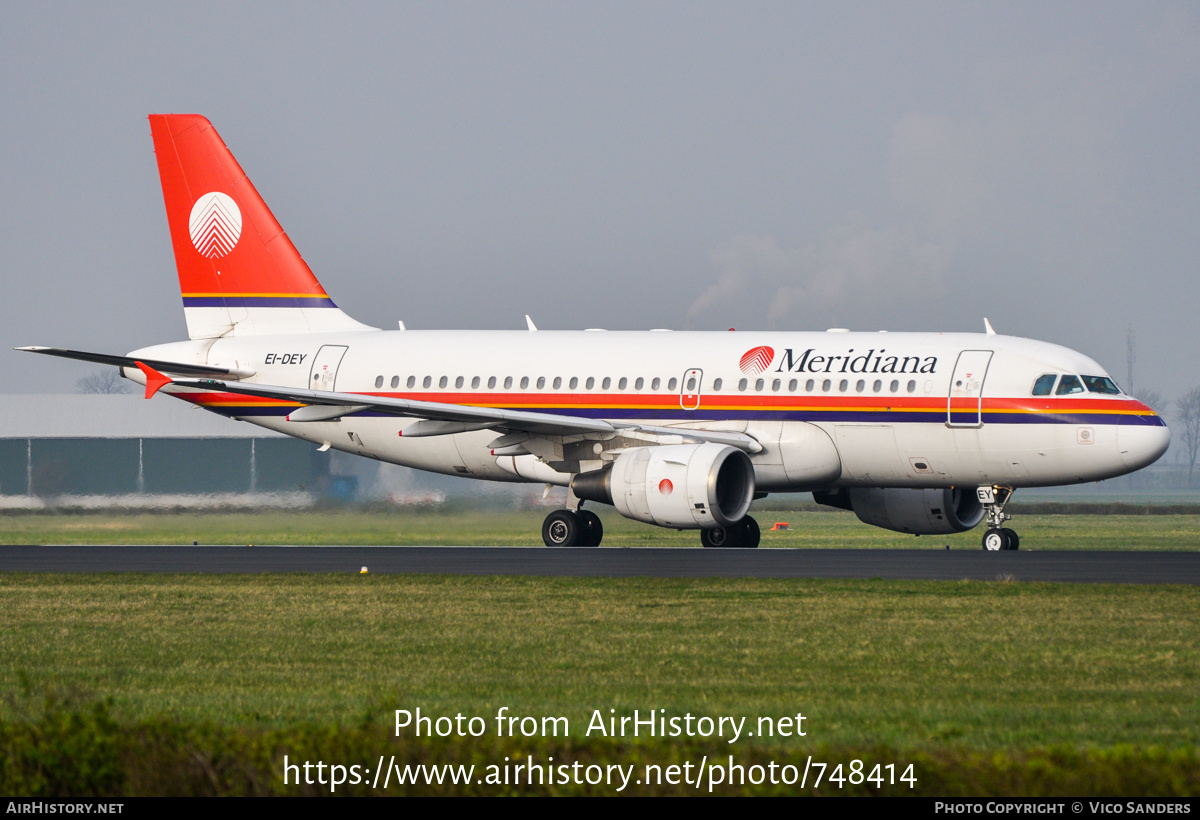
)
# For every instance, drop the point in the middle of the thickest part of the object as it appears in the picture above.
(625, 165)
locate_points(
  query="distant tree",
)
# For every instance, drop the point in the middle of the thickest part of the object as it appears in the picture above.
(1187, 417)
(107, 380)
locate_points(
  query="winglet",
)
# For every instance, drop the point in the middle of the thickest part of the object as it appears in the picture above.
(155, 381)
(987, 326)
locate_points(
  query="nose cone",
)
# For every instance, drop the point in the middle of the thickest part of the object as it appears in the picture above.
(1141, 445)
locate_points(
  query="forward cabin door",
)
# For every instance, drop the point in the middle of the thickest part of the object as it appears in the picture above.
(964, 407)
(323, 375)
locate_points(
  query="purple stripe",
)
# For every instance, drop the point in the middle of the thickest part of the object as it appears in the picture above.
(894, 417)
(258, 301)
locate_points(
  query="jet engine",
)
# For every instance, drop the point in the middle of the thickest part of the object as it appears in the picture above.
(684, 486)
(920, 512)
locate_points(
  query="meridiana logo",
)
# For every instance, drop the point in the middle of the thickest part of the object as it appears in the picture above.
(215, 224)
(756, 360)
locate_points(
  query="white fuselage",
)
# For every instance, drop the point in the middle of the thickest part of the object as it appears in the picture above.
(830, 409)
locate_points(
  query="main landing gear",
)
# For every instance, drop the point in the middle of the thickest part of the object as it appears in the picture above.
(744, 533)
(997, 537)
(572, 528)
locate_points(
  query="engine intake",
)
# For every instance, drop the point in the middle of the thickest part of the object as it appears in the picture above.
(685, 486)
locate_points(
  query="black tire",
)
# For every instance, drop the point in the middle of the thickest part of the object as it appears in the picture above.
(720, 537)
(750, 533)
(1014, 540)
(562, 528)
(995, 540)
(593, 530)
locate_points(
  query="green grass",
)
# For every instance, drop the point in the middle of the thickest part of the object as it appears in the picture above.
(907, 664)
(159, 684)
(469, 526)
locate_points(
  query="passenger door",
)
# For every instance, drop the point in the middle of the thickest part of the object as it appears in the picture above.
(323, 375)
(964, 406)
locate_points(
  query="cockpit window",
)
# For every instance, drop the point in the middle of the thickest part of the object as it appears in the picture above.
(1069, 384)
(1044, 386)
(1101, 384)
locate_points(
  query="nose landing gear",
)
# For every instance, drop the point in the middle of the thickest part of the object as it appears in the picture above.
(997, 537)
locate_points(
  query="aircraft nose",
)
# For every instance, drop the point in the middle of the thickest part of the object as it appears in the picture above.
(1141, 445)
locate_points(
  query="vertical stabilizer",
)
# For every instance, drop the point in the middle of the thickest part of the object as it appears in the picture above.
(239, 274)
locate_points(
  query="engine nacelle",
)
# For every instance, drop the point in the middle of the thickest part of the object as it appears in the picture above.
(684, 486)
(920, 512)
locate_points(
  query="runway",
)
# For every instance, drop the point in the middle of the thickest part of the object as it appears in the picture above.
(929, 565)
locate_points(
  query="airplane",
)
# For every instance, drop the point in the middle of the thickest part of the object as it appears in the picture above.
(921, 433)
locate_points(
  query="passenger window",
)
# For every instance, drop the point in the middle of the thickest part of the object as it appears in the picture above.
(443, 381)
(895, 386)
(412, 382)
(1044, 385)
(541, 382)
(758, 385)
(591, 382)
(809, 385)
(827, 385)
(475, 383)
(792, 385)
(775, 385)
(655, 384)
(604, 385)
(912, 386)
(458, 383)
(524, 382)
(691, 385)
(637, 385)
(742, 385)
(860, 386)
(395, 382)
(843, 385)
(427, 382)
(717, 385)
(622, 383)
(878, 386)
(557, 382)
(1101, 384)
(671, 384)
(378, 381)
(508, 382)
(491, 382)
(1069, 384)
(574, 382)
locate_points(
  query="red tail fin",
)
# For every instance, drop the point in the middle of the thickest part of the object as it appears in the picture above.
(238, 271)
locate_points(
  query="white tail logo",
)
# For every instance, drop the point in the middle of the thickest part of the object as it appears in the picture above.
(215, 224)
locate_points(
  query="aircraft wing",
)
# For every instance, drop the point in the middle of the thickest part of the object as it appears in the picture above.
(438, 418)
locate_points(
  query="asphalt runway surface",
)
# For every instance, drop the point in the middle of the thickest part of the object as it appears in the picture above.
(929, 565)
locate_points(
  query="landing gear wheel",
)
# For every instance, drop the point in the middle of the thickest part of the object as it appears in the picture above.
(718, 537)
(562, 528)
(743, 534)
(593, 530)
(996, 539)
(1014, 540)
(750, 533)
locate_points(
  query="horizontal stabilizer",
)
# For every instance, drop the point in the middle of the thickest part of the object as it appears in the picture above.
(177, 368)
